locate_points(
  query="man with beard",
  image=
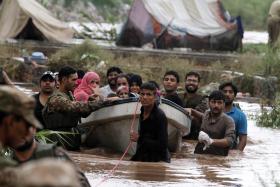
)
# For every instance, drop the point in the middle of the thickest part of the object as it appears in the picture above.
(230, 91)
(217, 129)
(63, 113)
(111, 87)
(170, 83)
(33, 150)
(17, 120)
(47, 87)
(17, 129)
(193, 100)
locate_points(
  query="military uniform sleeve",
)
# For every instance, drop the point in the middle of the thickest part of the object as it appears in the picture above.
(6, 162)
(60, 153)
(203, 105)
(61, 104)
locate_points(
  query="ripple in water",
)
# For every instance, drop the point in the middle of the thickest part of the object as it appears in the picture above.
(258, 165)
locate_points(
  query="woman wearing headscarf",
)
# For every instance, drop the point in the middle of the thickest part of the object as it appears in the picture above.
(89, 83)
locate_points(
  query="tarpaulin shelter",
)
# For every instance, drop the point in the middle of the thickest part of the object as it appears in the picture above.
(28, 19)
(196, 24)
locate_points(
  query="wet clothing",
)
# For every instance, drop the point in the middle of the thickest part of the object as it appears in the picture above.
(174, 98)
(63, 113)
(5, 161)
(273, 24)
(7, 175)
(52, 151)
(240, 122)
(153, 138)
(38, 109)
(217, 128)
(199, 103)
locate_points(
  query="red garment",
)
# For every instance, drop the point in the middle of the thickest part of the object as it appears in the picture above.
(84, 90)
(78, 82)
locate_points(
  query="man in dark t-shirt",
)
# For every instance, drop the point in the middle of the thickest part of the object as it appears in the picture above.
(193, 100)
(47, 87)
(170, 83)
(152, 136)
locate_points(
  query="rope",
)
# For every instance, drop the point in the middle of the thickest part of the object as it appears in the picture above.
(125, 152)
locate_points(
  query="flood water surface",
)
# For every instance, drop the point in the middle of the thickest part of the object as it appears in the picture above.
(258, 165)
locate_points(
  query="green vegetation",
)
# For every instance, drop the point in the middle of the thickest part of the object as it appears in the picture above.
(261, 60)
(253, 12)
(270, 118)
(258, 49)
(45, 136)
(85, 56)
(269, 66)
(265, 60)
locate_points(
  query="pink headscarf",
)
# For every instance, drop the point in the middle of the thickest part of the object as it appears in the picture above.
(83, 91)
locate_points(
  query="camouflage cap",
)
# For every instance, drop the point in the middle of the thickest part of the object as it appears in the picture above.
(16, 102)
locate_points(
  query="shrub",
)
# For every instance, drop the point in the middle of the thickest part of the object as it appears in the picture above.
(85, 56)
(270, 118)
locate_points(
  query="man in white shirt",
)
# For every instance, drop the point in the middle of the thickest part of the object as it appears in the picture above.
(111, 87)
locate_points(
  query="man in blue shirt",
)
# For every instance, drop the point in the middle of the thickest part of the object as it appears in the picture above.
(240, 120)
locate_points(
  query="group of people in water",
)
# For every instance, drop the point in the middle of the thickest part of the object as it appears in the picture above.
(216, 122)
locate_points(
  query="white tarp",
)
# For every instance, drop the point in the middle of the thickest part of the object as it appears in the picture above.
(196, 17)
(14, 15)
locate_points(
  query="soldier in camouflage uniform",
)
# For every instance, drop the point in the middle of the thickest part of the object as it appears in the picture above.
(17, 129)
(194, 100)
(63, 113)
(47, 173)
(16, 123)
(39, 151)
(16, 118)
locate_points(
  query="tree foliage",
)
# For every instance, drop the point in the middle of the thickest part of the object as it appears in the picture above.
(253, 12)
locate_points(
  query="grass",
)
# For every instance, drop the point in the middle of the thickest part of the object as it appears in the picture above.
(85, 56)
(256, 59)
(44, 136)
(270, 118)
(90, 57)
(254, 48)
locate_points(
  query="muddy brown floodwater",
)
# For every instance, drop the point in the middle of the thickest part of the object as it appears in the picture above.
(258, 165)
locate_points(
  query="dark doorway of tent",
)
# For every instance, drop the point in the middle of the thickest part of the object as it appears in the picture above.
(30, 32)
